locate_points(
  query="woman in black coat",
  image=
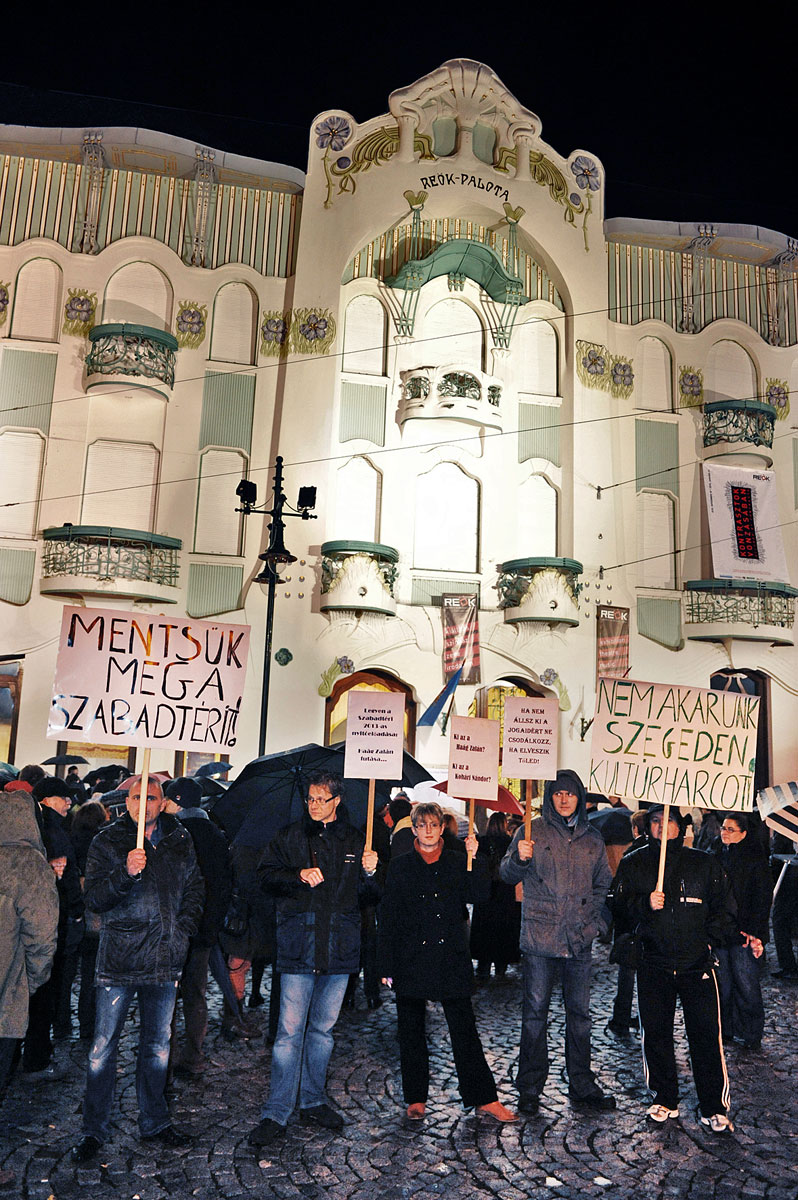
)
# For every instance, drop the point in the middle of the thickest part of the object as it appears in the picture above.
(496, 923)
(423, 954)
(748, 869)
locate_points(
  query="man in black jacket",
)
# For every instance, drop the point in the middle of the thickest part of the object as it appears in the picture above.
(677, 928)
(150, 901)
(320, 873)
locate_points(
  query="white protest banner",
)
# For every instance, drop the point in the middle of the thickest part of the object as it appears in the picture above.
(673, 744)
(473, 762)
(531, 730)
(374, 735)
(136, 679)
(743, 511)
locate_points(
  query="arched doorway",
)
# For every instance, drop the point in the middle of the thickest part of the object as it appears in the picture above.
(752, 683)
(335, 707)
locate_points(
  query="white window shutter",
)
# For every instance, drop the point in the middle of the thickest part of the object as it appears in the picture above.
(21, 458)
(537, 519)
(357, 508)
(364, 336)
(37, 301)
(138, 294)
(656, 540)
(218, 526)
(120, 485)
(235, 312)
(451, 333)
(447, 520)
(534, 347)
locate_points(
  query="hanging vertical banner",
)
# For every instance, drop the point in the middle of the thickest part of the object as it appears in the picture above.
(531, 727)
(460, 615)
(612, 642)
(744, 527)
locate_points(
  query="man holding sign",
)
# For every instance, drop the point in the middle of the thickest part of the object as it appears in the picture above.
(320, 872)
(677, 925)
(150, 901)
(564, 872)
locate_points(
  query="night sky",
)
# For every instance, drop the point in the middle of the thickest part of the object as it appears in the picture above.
(690, 121)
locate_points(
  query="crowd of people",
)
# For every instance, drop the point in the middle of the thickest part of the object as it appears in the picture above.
(86, 911)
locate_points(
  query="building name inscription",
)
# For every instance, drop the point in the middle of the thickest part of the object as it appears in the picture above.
(465, 180)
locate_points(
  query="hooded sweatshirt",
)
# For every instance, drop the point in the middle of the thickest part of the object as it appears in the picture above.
(28, 912)
(566, 880)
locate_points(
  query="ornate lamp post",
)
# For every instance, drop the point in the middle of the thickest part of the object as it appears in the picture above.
(274, 554)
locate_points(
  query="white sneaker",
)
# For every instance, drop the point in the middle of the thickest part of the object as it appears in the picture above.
(718, 1123)
(660, 1113)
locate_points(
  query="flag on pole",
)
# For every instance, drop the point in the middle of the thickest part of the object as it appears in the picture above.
(778, 807)
(433, 712)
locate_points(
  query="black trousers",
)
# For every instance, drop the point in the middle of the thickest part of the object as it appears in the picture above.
(474, 1076)
(657, 992)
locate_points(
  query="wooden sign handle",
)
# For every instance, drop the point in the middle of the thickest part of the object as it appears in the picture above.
(469, 866)
(145, 785)
(663, 846)
(527, 811)
(370, 815)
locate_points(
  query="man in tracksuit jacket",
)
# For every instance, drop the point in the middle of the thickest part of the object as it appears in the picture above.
(320, 873)
(676, 929)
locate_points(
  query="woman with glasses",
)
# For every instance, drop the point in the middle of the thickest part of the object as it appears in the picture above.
(423, 954)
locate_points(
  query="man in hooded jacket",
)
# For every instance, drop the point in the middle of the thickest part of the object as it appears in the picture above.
(676, 929)
(565, 877)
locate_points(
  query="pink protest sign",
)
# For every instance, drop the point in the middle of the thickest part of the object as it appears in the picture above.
(143, 680)
(474, 758)
(374, 735)
(530, 737)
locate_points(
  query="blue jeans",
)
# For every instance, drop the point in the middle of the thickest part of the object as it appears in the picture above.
(741, 1007)
(309, 1008)
(156, 1005)
(540, 975)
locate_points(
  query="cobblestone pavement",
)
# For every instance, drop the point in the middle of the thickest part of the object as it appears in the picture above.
(380, 1155)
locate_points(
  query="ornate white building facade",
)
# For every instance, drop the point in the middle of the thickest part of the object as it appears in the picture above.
(496, 392)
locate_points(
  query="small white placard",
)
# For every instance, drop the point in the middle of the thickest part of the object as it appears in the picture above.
(473, 758)
(374, 735)
(531, 728)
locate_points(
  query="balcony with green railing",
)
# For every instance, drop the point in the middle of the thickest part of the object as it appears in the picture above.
(718, 609)
(540, 589)
(97, 560)
(122, 357)
(358, 577)
(739, 427)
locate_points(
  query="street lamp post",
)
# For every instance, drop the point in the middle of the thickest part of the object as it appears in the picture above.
(274, 554)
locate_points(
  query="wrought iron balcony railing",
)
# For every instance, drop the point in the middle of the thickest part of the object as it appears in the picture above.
(748, 609)
(131, 355)
(92, 557)
(738, 425)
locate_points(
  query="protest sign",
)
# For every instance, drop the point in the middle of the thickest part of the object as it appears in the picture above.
(375, 728)
(135, 679)
(473, 762)
(531, 729)
(674, 744)
(132, 679)
(374, 735)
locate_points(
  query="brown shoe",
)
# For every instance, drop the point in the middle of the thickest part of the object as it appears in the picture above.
(498, 1112)
(416, 1112)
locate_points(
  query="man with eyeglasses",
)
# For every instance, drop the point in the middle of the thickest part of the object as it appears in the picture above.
(320, 874)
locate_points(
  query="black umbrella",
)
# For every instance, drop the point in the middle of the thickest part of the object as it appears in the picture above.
(614, 825)
(108, 774)
(212, 768)
(270, 791)
(65, 760)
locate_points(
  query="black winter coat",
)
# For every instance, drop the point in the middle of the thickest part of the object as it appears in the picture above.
(748, 870)
(213, 859)
(318, 928)
(422, 936)
(699, 907)
(146, 921)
